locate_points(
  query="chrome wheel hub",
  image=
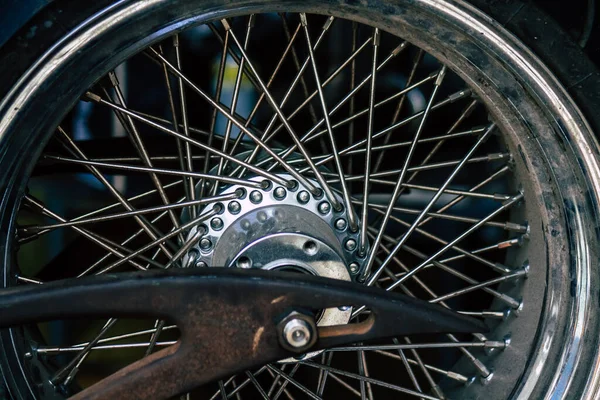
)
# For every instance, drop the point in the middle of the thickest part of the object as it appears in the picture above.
(277, 227)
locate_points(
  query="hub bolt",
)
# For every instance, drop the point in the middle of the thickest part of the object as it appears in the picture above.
(205, 244)
(234, 207)
(350, 244)
(279, 193)
(244, 262)
(324, 207)
(303, 197)
(201, 264)
(340, 224)
(297, 333)
(256, 196)
(354, 268)
(216, 224)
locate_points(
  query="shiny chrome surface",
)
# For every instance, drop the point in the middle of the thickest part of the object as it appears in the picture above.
(564, 321)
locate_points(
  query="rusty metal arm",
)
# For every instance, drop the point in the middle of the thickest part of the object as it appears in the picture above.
(229, 320)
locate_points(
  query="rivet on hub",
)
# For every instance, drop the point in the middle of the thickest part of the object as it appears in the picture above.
(303, 197)
(354, 267)
(324, 207)
(279, 193)
(340, 224)
(201, 264)
(256, 196)
(205, 244)
(234, 207)
(216, 224)
(350, 244)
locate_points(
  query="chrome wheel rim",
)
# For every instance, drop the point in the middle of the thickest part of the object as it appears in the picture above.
(502, 120)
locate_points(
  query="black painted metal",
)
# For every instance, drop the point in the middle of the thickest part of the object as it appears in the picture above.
(227, 317)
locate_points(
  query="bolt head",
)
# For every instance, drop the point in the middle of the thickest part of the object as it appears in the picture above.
(205, 244)
(234, 207)
(340, 224)
(279, 193)
(303, 197)
(201, 264)
(244, 262)
(256, 196)
(324, 207)
(350, 245)
(216, 224)
(354, 267)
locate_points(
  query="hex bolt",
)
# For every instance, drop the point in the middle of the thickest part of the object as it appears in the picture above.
(340, 224)
(297, 333)
(244, 262)
(205, 244)
(354, 267)
(350, 244)
(256, 196)
(324, 207)
(216, 224)
(279, 193)
(303, 197)
(234, 207)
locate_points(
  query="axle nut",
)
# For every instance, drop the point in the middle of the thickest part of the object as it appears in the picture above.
(297, 332)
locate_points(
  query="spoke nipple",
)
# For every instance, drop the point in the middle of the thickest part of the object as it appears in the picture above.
(350, 245)
(354, 268)
(279, 193)
(205, 244)
(470, 381)
(234, 207)
(485, 380)
(376, 37)
(29, 354)
(525, 269)
(520, 308)
(506, 314)
(244, 262)
(507, 340)
(216, 224)
(341, 224)
(328, 23)
(441, 75)
(303, 19)
(226, 24)
(89, 96)
(303, 197)
(256, 196)
(324, 207)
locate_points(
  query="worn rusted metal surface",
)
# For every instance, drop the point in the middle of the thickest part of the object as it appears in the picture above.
(228, 320)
